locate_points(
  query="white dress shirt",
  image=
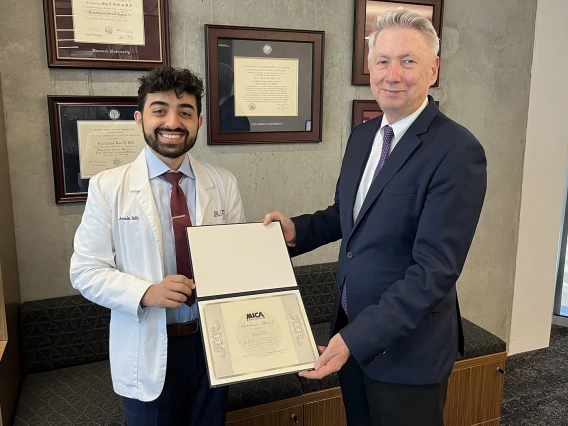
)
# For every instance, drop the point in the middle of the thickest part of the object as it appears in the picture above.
(162, 189)
(399, 129)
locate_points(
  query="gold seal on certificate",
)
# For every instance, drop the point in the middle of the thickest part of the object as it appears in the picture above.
(256, 325)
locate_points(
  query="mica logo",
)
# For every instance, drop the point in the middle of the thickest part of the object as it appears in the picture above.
(255, 315)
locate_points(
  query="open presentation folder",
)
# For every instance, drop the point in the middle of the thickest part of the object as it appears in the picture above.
(253, 320)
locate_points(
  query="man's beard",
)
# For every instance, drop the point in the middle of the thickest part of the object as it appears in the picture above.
(167, 150)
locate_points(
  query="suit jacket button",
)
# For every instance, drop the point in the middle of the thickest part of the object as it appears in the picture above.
(349, 255)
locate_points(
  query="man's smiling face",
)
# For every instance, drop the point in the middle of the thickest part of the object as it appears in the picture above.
(170, 124)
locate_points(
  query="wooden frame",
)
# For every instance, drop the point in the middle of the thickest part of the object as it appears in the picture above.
(140, 44)
(365, 110)
(229, 95)
(64, 113)
(367, 10)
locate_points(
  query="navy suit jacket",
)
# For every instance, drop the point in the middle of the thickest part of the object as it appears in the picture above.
(401, 258)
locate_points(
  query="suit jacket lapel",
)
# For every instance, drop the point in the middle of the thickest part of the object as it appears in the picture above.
(400, 154)
(352, 180)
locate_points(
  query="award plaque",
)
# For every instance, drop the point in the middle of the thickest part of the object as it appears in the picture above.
(253, 320)
(127, 34)
(89, 135)
(366, 11)
(264, 85)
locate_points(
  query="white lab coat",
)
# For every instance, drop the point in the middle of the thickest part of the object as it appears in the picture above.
(118, 255)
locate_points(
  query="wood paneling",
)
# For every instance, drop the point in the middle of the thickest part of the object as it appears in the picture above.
(329, 412)
(475, 394)
(292, 416)
(496, 422)
(283, 404)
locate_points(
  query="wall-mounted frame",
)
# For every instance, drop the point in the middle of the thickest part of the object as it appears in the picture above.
(264, 85)
(366, 11)
(90, 134)
(123, 34)
(365, 110)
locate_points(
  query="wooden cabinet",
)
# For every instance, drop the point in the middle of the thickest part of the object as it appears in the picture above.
(475, 394)
(293, 416)
(327, 412)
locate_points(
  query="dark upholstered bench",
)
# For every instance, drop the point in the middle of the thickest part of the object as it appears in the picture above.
(64, 354)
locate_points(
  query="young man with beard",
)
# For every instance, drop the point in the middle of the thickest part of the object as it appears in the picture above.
(131, 256)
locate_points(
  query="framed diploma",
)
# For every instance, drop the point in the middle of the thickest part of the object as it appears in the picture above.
(366, 11)
(89, 135)
(264, 85)
(253, 320)
(128, 34)
(365, 110)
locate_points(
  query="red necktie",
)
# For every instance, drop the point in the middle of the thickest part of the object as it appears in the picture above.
(180, 220)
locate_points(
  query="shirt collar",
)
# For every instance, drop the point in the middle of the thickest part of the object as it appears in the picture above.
(401, 126)
(157, 167)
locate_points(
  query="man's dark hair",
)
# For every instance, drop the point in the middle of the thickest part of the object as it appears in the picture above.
(163, 79)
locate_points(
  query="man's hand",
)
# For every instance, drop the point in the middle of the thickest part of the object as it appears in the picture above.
(287, 225)
(171, 292)
(331, 359)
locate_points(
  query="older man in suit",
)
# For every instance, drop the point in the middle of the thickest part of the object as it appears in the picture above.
(407, 203)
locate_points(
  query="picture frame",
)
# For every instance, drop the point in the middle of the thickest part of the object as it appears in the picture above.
(111, 34)
(366, 12)
(264, 85)
(90, 134)
(364, 110)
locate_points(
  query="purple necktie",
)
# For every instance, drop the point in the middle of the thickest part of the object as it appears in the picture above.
(388, 134)
(180, 220)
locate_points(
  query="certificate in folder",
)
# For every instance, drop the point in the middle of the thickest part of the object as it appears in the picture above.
(253, 320)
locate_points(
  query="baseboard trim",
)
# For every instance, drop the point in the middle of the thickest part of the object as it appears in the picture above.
(560, 320)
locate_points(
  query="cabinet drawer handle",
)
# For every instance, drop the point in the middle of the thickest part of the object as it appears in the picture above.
(500, 370)
(295, 418)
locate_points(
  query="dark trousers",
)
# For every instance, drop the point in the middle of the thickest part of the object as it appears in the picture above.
(186, 399)
(371, 402)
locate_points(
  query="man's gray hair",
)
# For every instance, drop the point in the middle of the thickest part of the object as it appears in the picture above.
(404, 18)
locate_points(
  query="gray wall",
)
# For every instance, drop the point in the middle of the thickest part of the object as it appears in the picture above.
(484, 84)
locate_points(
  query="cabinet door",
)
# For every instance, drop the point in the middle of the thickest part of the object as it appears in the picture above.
(327, 412)
(475, 395)
(293, 416)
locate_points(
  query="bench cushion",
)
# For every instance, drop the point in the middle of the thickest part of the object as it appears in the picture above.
(80, 395)
(62, 332)
(83, 395)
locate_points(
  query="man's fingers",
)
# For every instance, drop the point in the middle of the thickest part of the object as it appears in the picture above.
(326, 370)
(323, 359)
(176, 296)
(321, 349)
(182, 279)
(179, 288)
(271, 217)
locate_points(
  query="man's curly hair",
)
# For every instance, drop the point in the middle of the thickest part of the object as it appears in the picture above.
(163, 79)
